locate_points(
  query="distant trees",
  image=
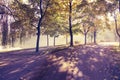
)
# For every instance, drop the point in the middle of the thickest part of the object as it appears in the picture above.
(25, 19)
(54, 18)
(22, 23)
(86, 18)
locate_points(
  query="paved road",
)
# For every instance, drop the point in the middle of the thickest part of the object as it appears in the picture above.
(79, 63)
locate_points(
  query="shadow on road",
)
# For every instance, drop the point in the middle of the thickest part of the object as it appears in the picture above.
(78, 63)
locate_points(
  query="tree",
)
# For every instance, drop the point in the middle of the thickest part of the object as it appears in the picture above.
(96, 8)
(86, 25)
(67, 8)
(70, 23)
(4, 31)
(42, 14)
(116, 27)
(4, 20)
(22, 22)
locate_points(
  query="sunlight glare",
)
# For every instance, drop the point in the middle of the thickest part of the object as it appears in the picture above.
(25, 1)
(9, 49)
(109, 43)
(64, 67)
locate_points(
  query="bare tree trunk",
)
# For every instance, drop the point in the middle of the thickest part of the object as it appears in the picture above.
(38, 35)
(94, 36)
(5, 32)
(47, 40)
(22, 34)
(70, 23)
(12, 41)
(20, 39)
(12, 36)
(54, 40)
(85, 38)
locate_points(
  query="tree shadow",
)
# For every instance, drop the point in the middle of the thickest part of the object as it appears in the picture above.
(74, 63)
(81, 63)
(15, 65)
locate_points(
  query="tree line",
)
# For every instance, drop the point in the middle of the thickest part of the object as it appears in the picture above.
(54, 18)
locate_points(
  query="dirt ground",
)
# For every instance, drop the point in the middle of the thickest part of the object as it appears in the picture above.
(75, 63)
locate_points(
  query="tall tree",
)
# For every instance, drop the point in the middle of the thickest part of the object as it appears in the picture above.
(4, 20)
(86, 25)
(70, 23)
(116, 26)
(24, 20)
(42, 14)
(5, 31)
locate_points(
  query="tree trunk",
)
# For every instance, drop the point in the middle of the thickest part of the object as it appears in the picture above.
(54, 40)
(116, 27)
(38, 27)
(12, 41)
(42, 14)
(20, 38)
(94, 36)
(38, 36)
(70, 23)
(12, 37)
(85, 38)
(47, 40)
(5, 33)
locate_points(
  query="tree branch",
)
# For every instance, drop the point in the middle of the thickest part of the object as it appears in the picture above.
(46, 8)
(11, 13)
